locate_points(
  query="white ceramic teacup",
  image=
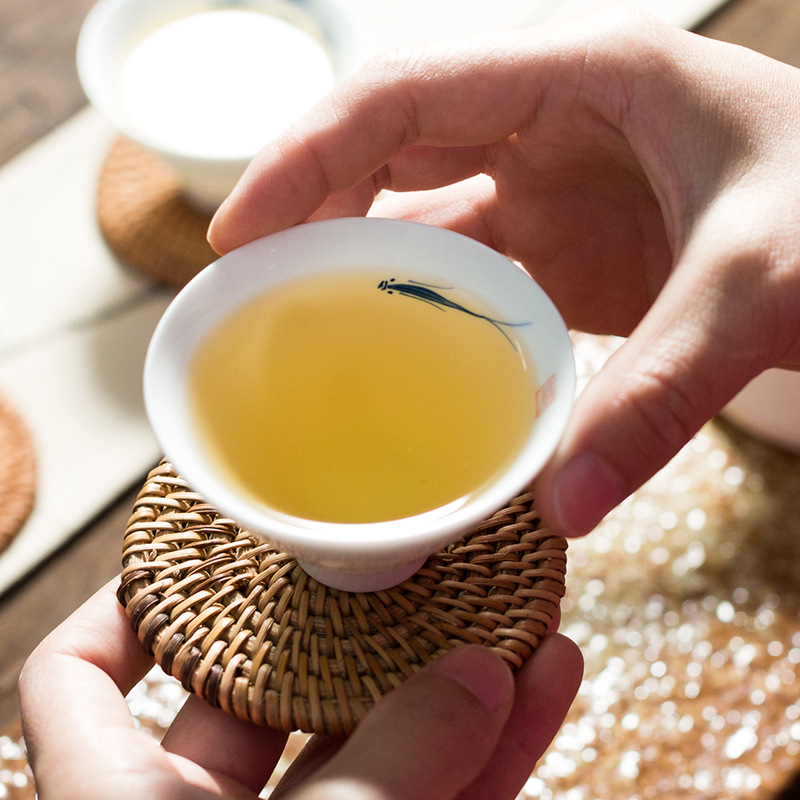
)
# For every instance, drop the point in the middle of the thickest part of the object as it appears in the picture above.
(372, 555)
(204, 84)
(769, 408)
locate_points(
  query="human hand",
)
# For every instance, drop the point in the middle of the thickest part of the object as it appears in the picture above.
(648, 178)
(462, 727)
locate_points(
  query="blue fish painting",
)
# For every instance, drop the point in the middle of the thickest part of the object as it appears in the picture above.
(429, 294)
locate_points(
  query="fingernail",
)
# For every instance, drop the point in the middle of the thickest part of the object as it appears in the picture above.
(585, 489)
(210, 232)
(482, 673)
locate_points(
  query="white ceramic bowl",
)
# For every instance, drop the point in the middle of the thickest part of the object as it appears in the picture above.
(368, 556)
(769, 408)
(114, 28)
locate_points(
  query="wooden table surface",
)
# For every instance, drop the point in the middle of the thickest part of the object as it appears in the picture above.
(38, 90)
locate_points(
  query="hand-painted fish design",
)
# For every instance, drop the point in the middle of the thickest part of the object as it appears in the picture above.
(428, 294)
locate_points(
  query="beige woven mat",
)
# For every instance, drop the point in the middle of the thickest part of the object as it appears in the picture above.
(242, 625)
(17, 472)
(144, 219)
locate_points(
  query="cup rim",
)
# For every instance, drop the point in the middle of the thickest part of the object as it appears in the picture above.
(330, 244)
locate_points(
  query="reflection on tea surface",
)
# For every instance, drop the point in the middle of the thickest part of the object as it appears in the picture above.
(329, 399)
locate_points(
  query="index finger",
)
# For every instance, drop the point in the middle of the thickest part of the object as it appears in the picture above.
(414, 120)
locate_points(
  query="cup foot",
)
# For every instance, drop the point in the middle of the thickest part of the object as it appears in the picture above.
(352, 581)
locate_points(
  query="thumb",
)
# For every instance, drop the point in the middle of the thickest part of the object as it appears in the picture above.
(428, 738)
(689, 356)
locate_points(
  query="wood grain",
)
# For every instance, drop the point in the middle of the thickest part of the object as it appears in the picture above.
(39, 85)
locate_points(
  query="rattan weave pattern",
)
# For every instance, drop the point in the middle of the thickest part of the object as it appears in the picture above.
(245, 628)
(145, 219)
(18, 472)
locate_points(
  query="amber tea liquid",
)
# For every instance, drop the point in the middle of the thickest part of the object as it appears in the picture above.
(332, 399)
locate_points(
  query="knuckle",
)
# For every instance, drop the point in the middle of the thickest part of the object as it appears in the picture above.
(667, 415)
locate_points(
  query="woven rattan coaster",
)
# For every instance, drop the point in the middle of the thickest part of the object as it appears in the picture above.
(17, 472)
(245, 628)
(145, 220)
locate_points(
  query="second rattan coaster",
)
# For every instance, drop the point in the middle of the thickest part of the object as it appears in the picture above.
(17, 472)
(243, 626)
(145, 220)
